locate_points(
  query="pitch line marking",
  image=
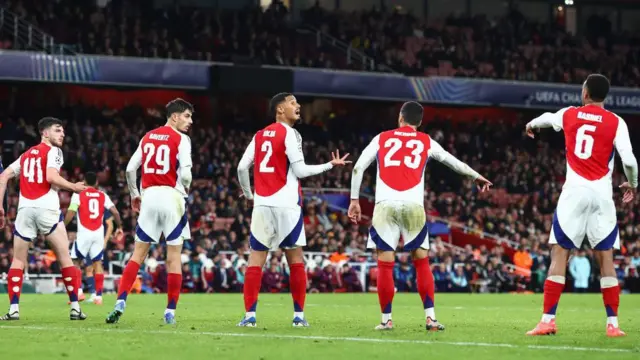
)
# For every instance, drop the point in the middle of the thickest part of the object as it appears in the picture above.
(325, 338)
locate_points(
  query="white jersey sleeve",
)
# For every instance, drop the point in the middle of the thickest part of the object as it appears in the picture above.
(184, 158)
(438, 153)
(55, 158)
(132, 169)
(243, 168)
(74, 204)
(293, 145)
(108, 204)
(16, 167)
(549, 119)
(366, 158)
(622, 143)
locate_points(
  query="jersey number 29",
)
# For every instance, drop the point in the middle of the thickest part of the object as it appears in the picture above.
(412, 161)
(161, 159)
(584, 142)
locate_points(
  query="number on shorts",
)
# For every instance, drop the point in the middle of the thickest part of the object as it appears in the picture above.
(412, 161)
(94, 208)
(584, 142)
(33, 170)
(162, 159)
(266, 148)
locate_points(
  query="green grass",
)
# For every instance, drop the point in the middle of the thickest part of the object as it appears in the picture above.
(478, 326)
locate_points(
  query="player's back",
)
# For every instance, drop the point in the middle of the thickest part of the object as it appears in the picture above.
(590, 133)
(275, 183)
(160, 153)
(35, 190)
(402, 158)
(92, 204)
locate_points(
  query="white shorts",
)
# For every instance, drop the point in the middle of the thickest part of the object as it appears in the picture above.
(274, 227)
(88, 245)
(33, 221)
(392, 219)
(163, 212)
(584, 212)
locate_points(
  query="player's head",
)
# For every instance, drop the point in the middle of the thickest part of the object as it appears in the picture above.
(595, 89)
(91, 179)
(51, 130)
(285, 107)
(179, 114)
(410, 114)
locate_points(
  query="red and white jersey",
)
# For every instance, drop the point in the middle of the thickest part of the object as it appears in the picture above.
(592, 136)
(274, 149)
(31, 166)
(162, 152)
(402, 156)
(90, 206)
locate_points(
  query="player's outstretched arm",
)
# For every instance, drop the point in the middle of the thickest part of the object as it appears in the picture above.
(546, 120)
(293, 144)
(438, 153)
(622, 142)
(72, 209)
(364, 161)
(54, 178)
(8, 174)
(243, 169)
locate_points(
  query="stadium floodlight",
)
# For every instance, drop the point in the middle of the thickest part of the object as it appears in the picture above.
(568, 2)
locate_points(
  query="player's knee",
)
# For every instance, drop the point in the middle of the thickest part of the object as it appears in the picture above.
(419, 253)
(388, 256)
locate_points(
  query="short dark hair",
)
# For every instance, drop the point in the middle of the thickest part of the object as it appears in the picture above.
(91, 178)
(597, 87)
(179, 106)
(276, 100)
(47, 122)
(411, 111)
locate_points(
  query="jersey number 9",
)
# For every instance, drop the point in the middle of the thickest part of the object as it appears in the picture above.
(94, 208)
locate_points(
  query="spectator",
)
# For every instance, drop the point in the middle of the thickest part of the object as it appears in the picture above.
(272, 279)
(404, 275)
(350, 279)
(580, 269)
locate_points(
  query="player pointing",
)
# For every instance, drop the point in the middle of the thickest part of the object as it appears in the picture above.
(165, 156)
(39, 213)
(276, 221)
(585, 207)
(402, 156)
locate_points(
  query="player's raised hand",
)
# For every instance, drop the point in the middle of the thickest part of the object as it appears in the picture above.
(354, 213)
(336, 160)
(629, 192)
(2, 220)
(79, 187)
(136, 202)
(530, 132)
(483, 184)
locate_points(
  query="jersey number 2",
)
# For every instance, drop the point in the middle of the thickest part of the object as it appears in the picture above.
(162, 159)
(584, 142)
(267, 149)
(412, 161)
(94, 208)
(33, 170)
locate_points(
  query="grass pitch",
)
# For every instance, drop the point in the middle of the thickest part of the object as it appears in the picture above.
(478, 326)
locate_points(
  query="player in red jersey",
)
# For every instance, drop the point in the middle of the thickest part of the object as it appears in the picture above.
(585, 207)
(402, 156)
(90, 239)
(39, 213)
(276, 221)
(165, 156)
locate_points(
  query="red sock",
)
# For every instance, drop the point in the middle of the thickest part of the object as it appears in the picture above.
(552, 292)
(99, 283)
(252, 283)
(611, 298)
(298, 284)
(386, 286)
(79, 271)
(174, 284)
(70, 279)
(426, 285)
(14, 285)
(129, 276)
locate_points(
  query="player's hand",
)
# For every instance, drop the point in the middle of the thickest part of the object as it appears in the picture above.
(336, 160)
(530, 132)
(483, 184)
(248, 200)
(118, 233)
(354, 213)
(136, 202)
(629, 192)
(79, 187)
(2, 220)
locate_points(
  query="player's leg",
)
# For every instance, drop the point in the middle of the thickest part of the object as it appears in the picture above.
(16, 274)
(174, 280)
(78, 254)
(291, 236)
(58, 240)
(261, 237)
(98, 276)
(384, 235)
(129, 276)
(95, 254)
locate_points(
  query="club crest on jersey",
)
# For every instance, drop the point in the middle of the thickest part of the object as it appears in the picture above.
(589, 117)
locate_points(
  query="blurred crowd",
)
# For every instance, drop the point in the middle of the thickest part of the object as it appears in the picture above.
(528, 176)
(508, 47)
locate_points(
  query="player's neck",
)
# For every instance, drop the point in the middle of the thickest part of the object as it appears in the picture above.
(171, 126)
(284, 122)
(46, 141)
(598, 104)
(415, 128)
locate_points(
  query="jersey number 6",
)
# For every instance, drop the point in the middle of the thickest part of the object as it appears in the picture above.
(412, 161)
(584, 142)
